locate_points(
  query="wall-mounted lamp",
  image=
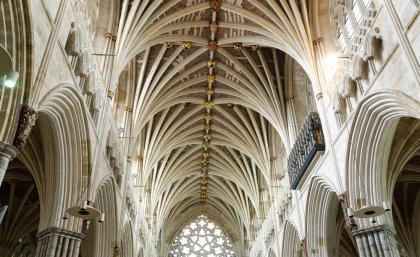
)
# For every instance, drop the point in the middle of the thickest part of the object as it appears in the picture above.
(8, 76)
(10, 79)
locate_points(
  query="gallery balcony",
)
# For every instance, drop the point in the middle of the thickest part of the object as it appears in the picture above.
(308, 146)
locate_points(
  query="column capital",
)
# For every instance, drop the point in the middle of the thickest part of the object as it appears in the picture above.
(27, 120)
(60, 232)
(8, 150)
(385, 228)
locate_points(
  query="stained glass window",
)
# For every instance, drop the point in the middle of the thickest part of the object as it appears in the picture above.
(201, 238)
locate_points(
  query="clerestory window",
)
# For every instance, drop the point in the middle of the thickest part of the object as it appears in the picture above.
(201, 238)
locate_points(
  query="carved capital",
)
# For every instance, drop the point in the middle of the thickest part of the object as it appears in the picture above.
(27, 120)
(7, 151)
(350, 222)
(60, 232)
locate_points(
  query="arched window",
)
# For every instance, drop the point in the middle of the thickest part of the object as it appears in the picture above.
(201, 238)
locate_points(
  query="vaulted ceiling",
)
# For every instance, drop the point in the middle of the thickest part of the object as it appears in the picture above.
(206, 84)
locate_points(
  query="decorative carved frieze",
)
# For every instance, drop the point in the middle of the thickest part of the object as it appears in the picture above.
(27, 120)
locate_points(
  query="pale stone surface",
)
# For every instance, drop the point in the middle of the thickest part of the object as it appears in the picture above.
(124, 157)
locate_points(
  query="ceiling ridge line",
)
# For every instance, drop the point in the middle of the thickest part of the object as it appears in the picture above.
(209, 104)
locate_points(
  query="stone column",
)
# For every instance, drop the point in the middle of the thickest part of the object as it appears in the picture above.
(57, 242)
(7, 153)
(378, 241)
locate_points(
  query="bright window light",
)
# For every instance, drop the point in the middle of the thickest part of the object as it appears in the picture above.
(201, 238)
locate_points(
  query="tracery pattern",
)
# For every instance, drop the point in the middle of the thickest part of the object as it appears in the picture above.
(201, 238)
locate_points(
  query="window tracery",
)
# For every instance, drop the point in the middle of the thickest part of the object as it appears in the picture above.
(201, 238)
(351, 18)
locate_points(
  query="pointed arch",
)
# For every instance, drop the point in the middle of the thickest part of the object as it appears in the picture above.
(102, 238)
(368, 179)
(16, 36)
(321, 211)
(127, 241)
(62, 168)
(291, 245)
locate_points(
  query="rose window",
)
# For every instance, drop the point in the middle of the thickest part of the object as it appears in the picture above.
(201, 238)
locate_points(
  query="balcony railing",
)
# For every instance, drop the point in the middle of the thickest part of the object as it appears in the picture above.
(309, 142)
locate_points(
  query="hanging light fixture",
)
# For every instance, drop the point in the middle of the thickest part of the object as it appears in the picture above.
(85, 211)
(369, 211)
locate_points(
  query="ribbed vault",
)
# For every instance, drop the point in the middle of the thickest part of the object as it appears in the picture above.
(203, 83)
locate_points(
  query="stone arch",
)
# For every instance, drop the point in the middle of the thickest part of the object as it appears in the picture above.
(127, 242)
(367, 178)
(21, 221)
(325, 220)
(18, 43)
(291, 246)
(61, 170)
(404, 181)
(102, 238)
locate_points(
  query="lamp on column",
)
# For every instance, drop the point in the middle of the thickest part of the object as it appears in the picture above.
(10, 79)
(8, 76)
